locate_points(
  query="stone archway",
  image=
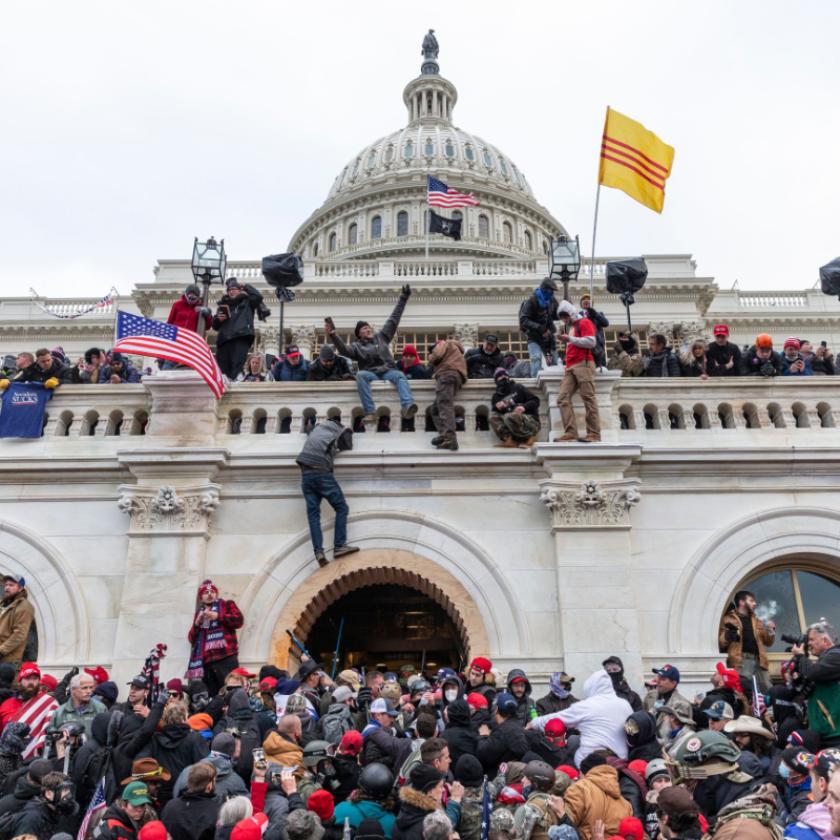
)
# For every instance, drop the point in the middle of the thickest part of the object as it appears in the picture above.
(60, 611)
(733, 554)
(369, 568)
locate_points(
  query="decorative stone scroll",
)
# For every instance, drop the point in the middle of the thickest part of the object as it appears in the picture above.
(168, 512)
(590, 504)
(467, 334)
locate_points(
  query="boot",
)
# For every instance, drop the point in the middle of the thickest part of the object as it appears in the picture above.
(507, 443)
(527, 444)
(341, 550)
(321, 558)
(565, 439)
(449, 442)
(437, 440)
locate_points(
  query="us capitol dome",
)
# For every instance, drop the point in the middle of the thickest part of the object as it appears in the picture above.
(377, 203)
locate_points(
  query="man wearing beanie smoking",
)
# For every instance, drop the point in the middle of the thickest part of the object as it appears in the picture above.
(372, 352)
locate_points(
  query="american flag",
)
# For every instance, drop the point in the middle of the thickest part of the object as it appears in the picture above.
(442, 196)
(144, 337)
(758, 704)
(485, 811)
(97, 804)
(37, 713)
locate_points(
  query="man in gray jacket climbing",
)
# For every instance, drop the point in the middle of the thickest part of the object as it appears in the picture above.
(316, 462)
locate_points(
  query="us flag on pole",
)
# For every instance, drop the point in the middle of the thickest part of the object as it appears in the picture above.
(97, 804)
(442, 196)
(144, 337)
(36, 713)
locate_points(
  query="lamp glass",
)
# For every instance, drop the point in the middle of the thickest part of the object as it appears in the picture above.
(209, 260)
(564, 253)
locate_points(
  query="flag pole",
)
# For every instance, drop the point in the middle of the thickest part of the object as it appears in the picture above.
(594, 234)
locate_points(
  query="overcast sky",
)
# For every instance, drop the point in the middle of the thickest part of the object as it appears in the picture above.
(129, 128)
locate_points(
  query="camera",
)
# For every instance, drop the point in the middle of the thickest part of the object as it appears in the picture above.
(796, 640)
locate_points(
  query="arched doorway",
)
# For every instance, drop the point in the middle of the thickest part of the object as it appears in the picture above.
(386, 626)
(442, 606)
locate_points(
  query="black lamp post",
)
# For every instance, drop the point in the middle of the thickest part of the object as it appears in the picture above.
(209, 264)
(564, 261)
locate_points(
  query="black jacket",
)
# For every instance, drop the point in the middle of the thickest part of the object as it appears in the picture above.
(192, 816)
(826, 669)
(175, 747)
(34, 373)
(550, 703)
(600, 320)
(383, 746)
(507, 742)
(240, 322)
(340, 370)
(24, 791)
(480, 365)
(695, 367)
(116, 825)
(374, 354)
(718, 357)
(624, 691)
(517, 395)
(751, 365)
(37, 819)
(643, 743)
(458, 733)
(664, 363)
(534, 321)
(414, 807)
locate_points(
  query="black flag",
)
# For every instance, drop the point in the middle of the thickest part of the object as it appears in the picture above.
(448, 227)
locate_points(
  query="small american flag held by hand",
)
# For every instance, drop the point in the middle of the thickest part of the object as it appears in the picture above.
(97, 804)
(441, 195)
(144, 337)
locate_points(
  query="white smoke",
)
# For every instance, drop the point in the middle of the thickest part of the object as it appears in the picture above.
(767, 611)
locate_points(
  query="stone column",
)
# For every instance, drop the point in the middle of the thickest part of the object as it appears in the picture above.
(589, 500)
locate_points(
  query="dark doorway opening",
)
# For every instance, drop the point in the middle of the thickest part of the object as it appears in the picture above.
(385, 627)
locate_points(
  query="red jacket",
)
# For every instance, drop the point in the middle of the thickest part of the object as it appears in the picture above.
(183, 314)
(230, 619)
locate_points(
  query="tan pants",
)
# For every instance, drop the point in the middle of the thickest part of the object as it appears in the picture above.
(580, 377)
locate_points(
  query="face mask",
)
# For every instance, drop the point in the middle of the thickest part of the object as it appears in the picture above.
(784, 771)
(192, 299)
(451, 695)
(616, 677)
(526, 790)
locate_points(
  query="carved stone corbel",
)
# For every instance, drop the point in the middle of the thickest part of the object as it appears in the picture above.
(590, 504)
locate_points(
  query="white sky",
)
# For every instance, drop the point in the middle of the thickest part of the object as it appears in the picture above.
(129, 128)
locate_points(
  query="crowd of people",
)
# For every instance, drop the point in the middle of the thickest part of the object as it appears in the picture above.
(221, 753)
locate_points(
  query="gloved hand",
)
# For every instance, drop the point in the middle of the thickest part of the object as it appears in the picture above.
(51, 383)
(204, 312)
(4, 383)
(406, 291)
(731, 634)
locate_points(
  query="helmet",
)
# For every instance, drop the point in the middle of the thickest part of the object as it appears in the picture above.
(541, 774)
(377, 780)
(445, 674)
(655, 767)
(701, 755)
(420, 686)
(315, 752)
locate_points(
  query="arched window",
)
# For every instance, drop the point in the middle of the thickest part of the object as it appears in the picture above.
(376, 227)
(402, 223)
(371, 161)
(529, 244)
(353, 234)
(332, 242)
(389, 154)
(356, 167)
(408, 152)
(469, 152)
(449, 149)
(794, 597)
(315, 250)
(503, 167)
(488, 159)
(483, 227)
(507, 233)
(429, 149)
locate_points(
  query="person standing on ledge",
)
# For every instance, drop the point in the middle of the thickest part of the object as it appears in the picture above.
(579, 337)
(317, 462)
(372, 351)
(215, 648)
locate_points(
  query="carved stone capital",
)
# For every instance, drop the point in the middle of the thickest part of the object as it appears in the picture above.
(169, 510)
(304, 336)
(590, 504)
(467, 334)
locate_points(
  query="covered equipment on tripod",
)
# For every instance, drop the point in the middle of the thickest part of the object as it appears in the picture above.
(283, 270)
(830, 278)
(625, 278)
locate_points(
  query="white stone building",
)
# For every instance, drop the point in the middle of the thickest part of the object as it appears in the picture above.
(546, 559)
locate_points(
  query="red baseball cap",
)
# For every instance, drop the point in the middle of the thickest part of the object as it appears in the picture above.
(720, 329)
(572, 772)
(268, 684)
(49, 682)
(292, 351)
(477, 701)
(481, 663)
(29, 669)
(555, 728)
(351, 742)
(243, 672)
(99, 674)
(153, 830)
(251, 828)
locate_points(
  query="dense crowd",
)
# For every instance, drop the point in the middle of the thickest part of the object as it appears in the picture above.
(228, 754)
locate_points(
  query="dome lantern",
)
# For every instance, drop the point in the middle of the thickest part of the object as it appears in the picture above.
(430, 98)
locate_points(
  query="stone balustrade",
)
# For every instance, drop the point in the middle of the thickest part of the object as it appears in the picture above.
(661, 412)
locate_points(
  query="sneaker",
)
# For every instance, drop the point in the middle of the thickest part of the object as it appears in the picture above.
(450, 443)
(438, 440)
(341, 550)
(409, 411)
(321, 558)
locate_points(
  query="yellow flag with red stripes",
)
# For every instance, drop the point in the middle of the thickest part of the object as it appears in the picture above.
(634, 160)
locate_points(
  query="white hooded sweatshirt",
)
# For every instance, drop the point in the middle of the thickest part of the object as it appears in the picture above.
(599, 718)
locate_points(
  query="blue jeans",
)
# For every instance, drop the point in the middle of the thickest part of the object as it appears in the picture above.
(537, 354)
(396, 377)
(318, 486)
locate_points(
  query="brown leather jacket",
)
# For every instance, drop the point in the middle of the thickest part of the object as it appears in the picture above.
(15, 620)
(448, 356)
(734, 654)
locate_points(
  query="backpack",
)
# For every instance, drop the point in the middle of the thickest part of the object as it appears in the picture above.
(334, 725)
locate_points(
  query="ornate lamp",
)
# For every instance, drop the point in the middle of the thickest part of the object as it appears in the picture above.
(209, 264)
(564, 261)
